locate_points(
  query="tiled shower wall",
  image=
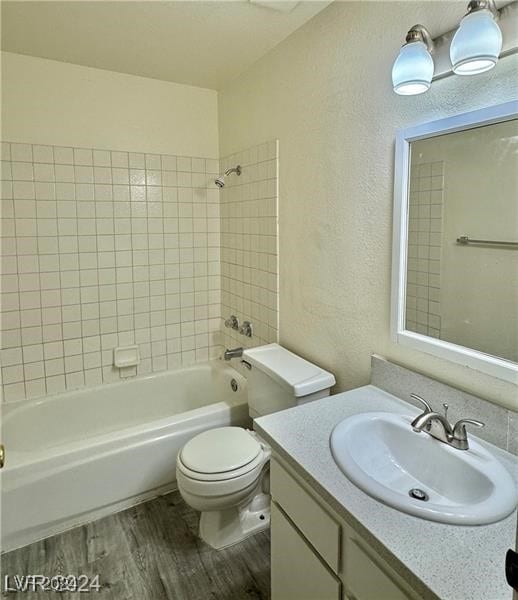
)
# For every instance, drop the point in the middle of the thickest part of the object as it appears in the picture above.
(103, 249)
(249, 244)
(425, 227)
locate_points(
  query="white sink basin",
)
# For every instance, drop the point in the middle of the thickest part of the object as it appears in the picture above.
(383, 456)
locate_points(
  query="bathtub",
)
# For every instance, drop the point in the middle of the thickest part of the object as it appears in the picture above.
(81, 455)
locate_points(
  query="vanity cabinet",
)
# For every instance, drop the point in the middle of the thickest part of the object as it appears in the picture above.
(316, 555)
(298, 572)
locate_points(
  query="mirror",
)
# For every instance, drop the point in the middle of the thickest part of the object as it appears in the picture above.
(455, 280)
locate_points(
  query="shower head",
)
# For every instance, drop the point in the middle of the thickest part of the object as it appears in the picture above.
(220, 181)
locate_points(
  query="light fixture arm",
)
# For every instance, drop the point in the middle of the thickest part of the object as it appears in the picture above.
(419, 33)
(476, 5)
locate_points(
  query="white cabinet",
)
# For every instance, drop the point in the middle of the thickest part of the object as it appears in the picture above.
(367, 577)
(298, 573)
(313, 521)
(316, 555)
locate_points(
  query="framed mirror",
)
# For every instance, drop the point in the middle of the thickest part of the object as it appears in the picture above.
(455, 250)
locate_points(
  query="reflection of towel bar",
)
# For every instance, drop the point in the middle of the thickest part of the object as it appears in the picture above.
(465, 240)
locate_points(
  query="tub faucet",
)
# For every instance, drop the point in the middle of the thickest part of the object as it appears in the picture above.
(440, 428)
(233, 353)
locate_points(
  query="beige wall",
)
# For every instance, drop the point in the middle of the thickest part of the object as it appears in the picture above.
(325, 92)
(50, 102)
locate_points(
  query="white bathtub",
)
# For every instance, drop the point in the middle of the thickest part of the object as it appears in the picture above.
(78, 456)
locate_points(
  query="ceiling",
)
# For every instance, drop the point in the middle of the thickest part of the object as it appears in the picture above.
(205, 44)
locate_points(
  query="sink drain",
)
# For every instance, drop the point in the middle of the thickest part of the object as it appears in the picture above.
(418, 494)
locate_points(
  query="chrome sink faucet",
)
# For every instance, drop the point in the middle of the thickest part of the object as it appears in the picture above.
(440, 428)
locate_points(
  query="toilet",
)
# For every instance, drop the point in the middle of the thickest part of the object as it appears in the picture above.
(223, 472)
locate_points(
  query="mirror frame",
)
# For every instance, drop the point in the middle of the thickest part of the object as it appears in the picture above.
(480, 361)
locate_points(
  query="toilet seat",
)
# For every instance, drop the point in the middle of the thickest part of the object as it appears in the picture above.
(221, 454)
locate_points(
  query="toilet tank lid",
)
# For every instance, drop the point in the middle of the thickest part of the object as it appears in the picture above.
(289, 370)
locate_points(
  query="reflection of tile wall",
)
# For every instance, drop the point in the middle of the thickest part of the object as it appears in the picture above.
(423, 314)
(249, 248)
(101, 249)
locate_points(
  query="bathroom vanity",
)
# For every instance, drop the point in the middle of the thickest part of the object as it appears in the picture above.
(330, 540)
(316, 554)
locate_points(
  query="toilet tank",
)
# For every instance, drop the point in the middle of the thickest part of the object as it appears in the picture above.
(279, 379)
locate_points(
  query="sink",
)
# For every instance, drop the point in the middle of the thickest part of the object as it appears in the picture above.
(418, 475)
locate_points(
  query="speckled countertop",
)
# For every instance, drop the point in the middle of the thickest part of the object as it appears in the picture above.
(450, 562)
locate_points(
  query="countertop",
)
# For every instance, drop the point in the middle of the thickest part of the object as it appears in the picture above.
(450, 562)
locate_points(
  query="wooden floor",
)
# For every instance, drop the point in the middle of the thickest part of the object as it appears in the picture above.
(149, 552)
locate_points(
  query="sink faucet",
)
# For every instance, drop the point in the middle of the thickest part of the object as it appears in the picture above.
(440, 428)
(233, 353)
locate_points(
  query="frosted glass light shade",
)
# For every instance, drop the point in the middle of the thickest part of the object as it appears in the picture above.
(476, 45)
(413, 69)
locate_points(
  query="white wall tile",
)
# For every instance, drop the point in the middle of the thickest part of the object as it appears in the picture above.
(14, 391)
(63, 156)
(247, 228)
(6, 151)
(35, 388)
(168, 163)
(22, 152)
(102, 158)
(91, 260)
(425, 232)
(83, 157)
(22, 171)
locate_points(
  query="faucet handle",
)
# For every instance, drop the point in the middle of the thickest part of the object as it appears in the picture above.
(428, 408)
(459, 429)
(232, 322)
(459, 437)
(246, 329)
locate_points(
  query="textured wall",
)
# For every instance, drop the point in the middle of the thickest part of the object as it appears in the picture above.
(325, 92)
(50, 102)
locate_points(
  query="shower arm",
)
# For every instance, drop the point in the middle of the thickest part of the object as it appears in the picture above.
(236, 170)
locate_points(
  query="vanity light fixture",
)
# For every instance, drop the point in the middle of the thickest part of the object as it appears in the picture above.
(485, 35)
(477, 43)
(413, 69)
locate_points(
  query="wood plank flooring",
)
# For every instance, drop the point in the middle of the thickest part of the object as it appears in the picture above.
(148, 552)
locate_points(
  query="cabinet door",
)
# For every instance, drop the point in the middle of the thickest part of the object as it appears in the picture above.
(297, 572)
(314, 522)
(368, 578)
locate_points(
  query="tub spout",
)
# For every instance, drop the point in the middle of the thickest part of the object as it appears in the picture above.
(233, 353)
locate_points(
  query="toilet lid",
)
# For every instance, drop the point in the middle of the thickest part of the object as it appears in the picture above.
(220, 450)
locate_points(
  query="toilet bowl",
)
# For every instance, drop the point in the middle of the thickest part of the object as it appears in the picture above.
(224, 472)
(221, 473)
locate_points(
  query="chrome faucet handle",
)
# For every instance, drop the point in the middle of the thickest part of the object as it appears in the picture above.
(459, 437)
(232, 322)
(246, 329)
(428, 408)
(459, 429)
